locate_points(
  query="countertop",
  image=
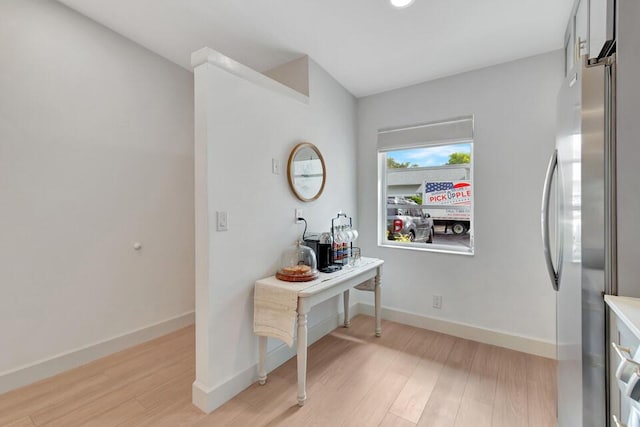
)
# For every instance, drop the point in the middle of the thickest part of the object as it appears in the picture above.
(627, 309)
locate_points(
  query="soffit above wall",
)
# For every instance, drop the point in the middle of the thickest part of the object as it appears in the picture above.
(366, 45)
(290, 79)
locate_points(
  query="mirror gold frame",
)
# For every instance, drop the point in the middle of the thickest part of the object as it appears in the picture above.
(304, 174)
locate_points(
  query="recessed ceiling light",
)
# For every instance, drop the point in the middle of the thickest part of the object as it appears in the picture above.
(401, 4)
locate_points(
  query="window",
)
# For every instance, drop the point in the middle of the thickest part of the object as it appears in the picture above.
(426, 187)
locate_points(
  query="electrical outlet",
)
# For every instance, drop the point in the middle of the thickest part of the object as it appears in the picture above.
(298, 215)
(437, 301)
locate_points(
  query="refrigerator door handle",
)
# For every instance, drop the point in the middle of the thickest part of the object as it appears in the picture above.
(544, 218)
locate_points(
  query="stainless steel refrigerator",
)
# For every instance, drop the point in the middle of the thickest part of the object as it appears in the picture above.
(591, 209)
(579, 233)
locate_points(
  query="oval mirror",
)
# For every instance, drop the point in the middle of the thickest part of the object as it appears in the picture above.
(306, 172)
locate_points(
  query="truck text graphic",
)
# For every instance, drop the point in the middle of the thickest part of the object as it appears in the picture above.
(447, 193)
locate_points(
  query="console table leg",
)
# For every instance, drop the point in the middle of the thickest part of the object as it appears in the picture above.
(378, 305)
(302, 358)
(347, 319)
(262, 349)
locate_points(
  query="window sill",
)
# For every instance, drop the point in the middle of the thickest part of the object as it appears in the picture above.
(444, 249)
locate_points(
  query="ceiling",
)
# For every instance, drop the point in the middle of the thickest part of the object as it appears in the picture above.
(367, 45)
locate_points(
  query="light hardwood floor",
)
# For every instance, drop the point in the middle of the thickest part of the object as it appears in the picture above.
(407, 377)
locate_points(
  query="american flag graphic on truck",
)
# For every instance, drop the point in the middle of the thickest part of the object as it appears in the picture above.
(448, 193)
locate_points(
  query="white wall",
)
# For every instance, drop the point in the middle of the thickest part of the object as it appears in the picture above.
(504, 286)
(240, 127)
(96, 152)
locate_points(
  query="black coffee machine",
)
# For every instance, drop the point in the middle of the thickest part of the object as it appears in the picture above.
(322, 246)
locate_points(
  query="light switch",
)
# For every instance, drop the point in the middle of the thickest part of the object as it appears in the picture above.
(222, 221)
(275, 166)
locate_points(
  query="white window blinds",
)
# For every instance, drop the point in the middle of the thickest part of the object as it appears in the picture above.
(445, 132)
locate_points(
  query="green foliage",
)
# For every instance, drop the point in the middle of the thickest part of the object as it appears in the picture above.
(392, 164)
(399, 237)
(459, 158)
(403, 238)
(415, 198)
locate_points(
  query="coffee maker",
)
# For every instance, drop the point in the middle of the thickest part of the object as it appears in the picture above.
(322, 246)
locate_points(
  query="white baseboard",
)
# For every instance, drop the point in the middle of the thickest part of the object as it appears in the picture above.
(461, 330)
(209, 399)
(42, 369)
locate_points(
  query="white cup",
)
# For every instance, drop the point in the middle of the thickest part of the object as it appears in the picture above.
(349, 236)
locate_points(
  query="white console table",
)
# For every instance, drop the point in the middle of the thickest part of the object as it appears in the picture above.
(365, 277)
